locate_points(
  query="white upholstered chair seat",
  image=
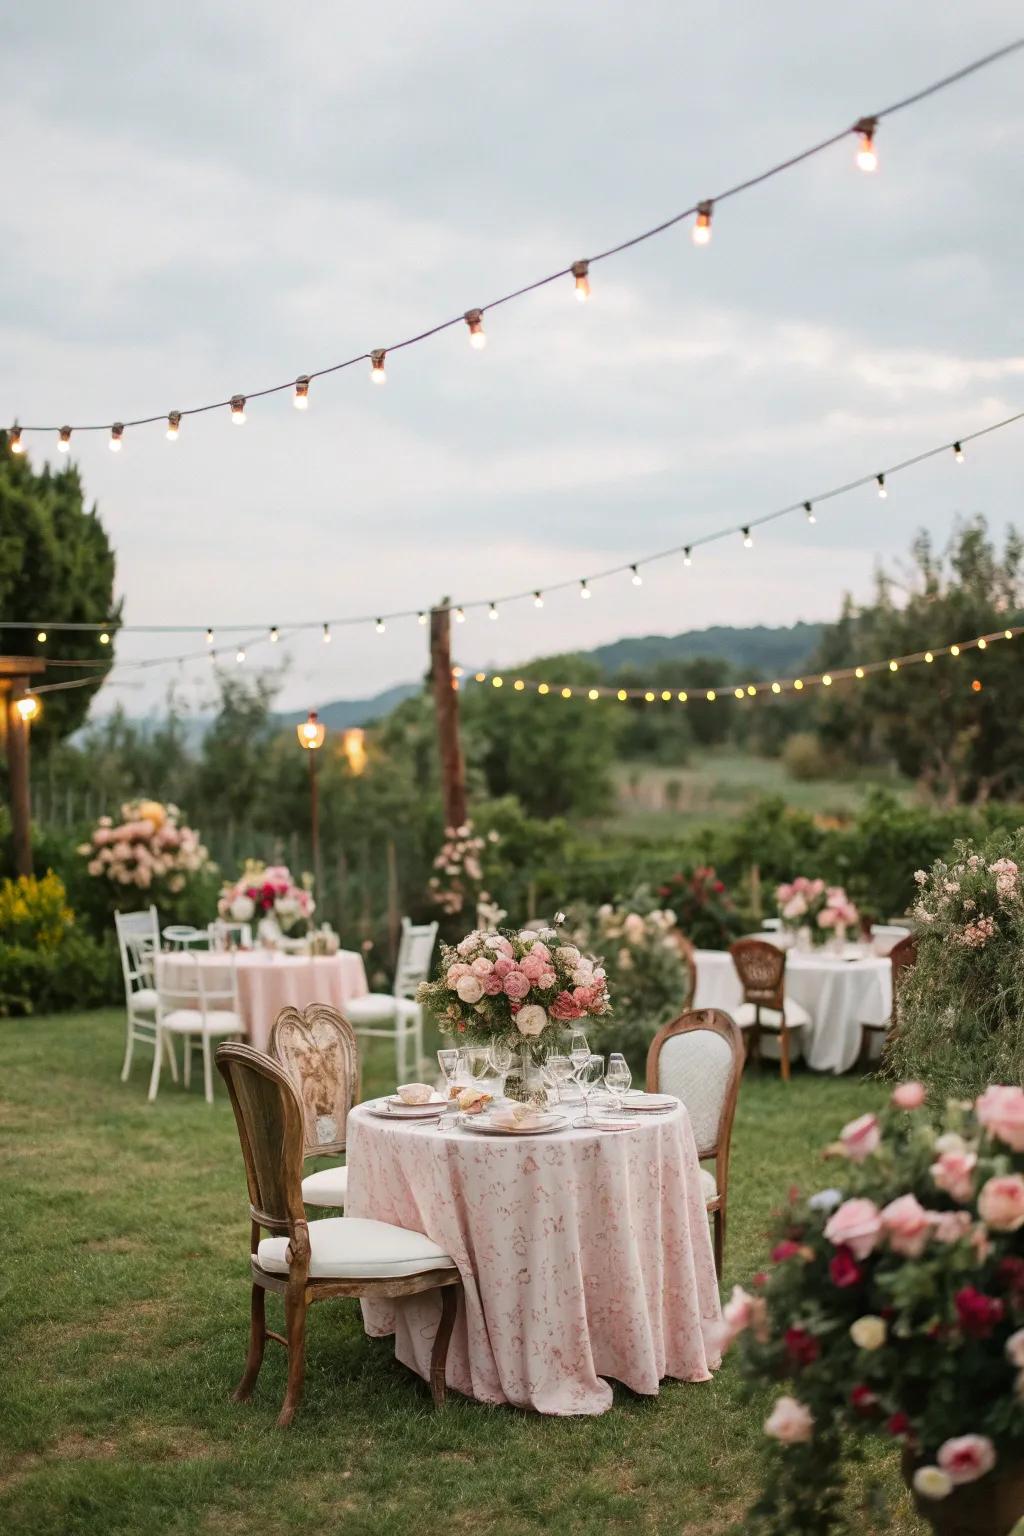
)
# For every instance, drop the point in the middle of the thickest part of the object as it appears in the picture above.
(352, 1248)
(379, 1007)
(144, 1000)
(796, 1015)
(216, 1021)
(328, 1186)
(708, 1187)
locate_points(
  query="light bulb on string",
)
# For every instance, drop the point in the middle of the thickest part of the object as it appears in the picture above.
(238, 410)
(584, 589)
(748, 542)
(240, 655)
(209, 637)
(580, 270)
(880, 482)
(702, 227)
(637, 579)
(928, 656)
(380, 626)
(867, 155)
(300, 399)
(982, 644)
(958, 452)
(41, 637)
(173, 426)
(17, 446)
(275, 634)
(477, 336)
(809, 509)
(954, 650)
(894, 666)
(377, 373)
(1007, 634)
(538, 600)
(492, 612)
(104, 638)
(64, 439)
(326, 634)
(859, 672)
(460, 615)
(116, 436)
(421, 618)
(687, 556)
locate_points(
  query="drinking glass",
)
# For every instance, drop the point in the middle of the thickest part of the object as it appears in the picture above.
(579, 1052)
(618, 1076)
(558, 1073)
(448, 1061)
(590, 1074)
(499, 1056)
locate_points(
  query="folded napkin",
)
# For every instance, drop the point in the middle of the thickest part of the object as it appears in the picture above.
(518, 1117)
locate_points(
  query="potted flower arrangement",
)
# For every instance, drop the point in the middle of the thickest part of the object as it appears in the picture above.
(516, 989)
(149, 849)
(894, 1306)
(823, 911)
(268, 893)
(704, 910)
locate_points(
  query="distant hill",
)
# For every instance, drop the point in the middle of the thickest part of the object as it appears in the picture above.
(340, 713)
(783, 650)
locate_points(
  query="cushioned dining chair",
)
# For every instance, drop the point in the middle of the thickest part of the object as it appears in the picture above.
(765, 1009)
(396, 1015)
(198, 1004)
(699, 1058)
(902, 958)
(318, 1050)
(338, 1256)
(138, 940)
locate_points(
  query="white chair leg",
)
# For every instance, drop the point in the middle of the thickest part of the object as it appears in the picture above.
(158, 1051)
(171, 1058)
(207, 1069)
(186, 1068)
(129, 1047)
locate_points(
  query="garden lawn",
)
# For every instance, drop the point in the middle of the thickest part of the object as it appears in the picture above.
(124, 1314)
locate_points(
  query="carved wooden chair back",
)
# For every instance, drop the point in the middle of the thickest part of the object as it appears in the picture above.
(761, 968)
(317, 1048)
(269, 1119)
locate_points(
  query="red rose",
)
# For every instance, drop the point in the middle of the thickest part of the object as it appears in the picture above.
(844, 1270)
(784, 1250)
(802, 1347)
(863, 1400)
(760, 1280)
(898, 1424)
(977, 1313)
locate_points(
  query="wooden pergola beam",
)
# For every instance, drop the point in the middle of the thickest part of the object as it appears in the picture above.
(16, 673)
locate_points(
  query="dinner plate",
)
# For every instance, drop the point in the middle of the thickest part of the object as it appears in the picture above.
(389, 1111)
(650, 1103)
(485, 1124)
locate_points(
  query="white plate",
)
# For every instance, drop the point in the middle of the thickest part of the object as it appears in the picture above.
(389, 1111)
(436, 1099)
(650, 1103)
(485, 1124)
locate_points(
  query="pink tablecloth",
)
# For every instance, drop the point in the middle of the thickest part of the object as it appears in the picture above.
(583, 1255)
(268, 982)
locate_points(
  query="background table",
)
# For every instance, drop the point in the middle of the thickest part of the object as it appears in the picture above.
(269, 981)
(583, 1254)
(840, 995)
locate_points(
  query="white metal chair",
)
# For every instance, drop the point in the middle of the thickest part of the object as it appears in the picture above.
(138, 940)
(196, 1001)
(396, 1015)
(699, 1058)
(225, 935)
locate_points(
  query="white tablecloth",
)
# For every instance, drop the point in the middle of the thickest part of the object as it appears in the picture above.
(839, 994)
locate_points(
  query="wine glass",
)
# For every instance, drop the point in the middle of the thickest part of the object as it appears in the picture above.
(618, 1077)
(499, 1056)
(557, 1073)
(590, 1074)
(448, 1061)
(579, 1052)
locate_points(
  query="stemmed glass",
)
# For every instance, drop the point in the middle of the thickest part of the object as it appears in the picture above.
(499, 1059)
(557, 1073)
(448, 1061)
(618, 1077)
(448, 1119)
(590, 1074)
(579, 1053)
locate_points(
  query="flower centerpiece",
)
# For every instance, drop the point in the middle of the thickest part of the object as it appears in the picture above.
(704, 910)
(268, 893)
(824, 910)
(894, 1306)
(516, 989)
(149, 849)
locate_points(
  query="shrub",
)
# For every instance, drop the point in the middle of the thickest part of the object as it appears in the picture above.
(46, 962)
(704, 910)
(804, 758)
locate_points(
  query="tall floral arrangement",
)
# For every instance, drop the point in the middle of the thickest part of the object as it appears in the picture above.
(825, 909)
(150, 850)
(458, 882)
(961, 1009)
(263, 890)
(514, 987)
(894, 1306)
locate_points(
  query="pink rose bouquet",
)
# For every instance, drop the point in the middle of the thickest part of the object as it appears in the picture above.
(149, 850)
(824, 909)
(894, 1306)
(265, 889)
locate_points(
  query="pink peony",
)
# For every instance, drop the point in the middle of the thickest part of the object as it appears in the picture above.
(583, 997)
(455, 974)
(540, 949)
(503, 965)
(1001, 1111)
(953, 1173)
(492, 984)
(856, 1225)
(516, 985)
(482, 967)
(909, 1095)
(531, 1020)
(533, 965)
(470, 988)
(907, 1226)
(861, 1137)
(789, 1422)
(951, 1226)
(564, 1008)
(546, 979)
(966, 1458)
(1001, 1203)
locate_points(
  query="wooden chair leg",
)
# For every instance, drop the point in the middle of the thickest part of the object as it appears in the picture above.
(784, 1052)
(864, 1059)
(257, 1344)
(442, 1338)
(295, 1308)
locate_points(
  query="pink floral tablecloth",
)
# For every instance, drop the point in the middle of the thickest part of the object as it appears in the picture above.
(268, 982)
(583, 1254)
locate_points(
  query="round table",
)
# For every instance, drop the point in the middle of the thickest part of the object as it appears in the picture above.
(583, 1254)
(840, 992)
(269, 981)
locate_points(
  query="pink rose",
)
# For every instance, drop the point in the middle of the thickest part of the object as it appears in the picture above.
(583, 997)
(856, 1225)
(953, 1173)
(1001, 1203)
(541, 950)
(455, 974)
(499, 943)
(531, 1020)
(861, 1137)
(546, 979)
(1015, 1349)
(741, 1311)
(966, 1458)
(516, 985)
(789, 1422)
(470, 988)
(503, 965)
(950, 1226)
(533, 965)
(482, 967)
(909, 1095)
(564, 1008)
(492, 984)
(1001, 1111)
(907, 1226)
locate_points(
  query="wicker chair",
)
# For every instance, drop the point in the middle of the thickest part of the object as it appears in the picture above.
(699, 1058)
(318, 1050)
(338, 1256)
(766, 1009)
(902, 958)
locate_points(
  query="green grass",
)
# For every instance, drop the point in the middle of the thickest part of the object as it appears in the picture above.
(124, 1308)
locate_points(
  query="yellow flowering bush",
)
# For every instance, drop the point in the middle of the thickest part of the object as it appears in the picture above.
(46, 962)
(34, 913)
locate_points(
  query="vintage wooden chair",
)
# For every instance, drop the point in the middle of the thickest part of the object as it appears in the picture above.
(338, 1256)
(761, 968)
(902, 958)
(318, 1050)
(699, 1058)
(396, 1015)
(689, 958)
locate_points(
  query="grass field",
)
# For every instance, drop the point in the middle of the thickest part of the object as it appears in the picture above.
(124, 1313)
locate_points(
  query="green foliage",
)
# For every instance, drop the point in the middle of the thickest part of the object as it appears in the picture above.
(704, 910)
(55, 561)
(805, 759)
(45, 962)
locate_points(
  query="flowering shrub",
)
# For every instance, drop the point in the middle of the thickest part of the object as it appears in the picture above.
(704, 910)
(961, 1009)
(35, 913)
(894, 1306)
(459, 883)
(262, 889)
(640, 952)
(45, 962)
(824, 909)
(148, 850)
(514, 987)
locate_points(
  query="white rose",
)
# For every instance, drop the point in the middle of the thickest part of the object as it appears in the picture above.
(469, 988)
(527, 936)
(467, 945)
(932, 1483)
(583, 975)
(568, 954)
(531, 1020)
(869, 1332)
(547, 934)
(242, 909)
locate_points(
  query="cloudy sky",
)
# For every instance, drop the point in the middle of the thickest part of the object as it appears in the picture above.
(201, 200)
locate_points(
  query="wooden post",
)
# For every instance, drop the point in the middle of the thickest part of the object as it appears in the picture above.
(446, 704)
(15, 672)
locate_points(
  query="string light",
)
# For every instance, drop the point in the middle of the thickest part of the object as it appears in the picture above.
(827, 679)
(380, 626)
(702, 227)
(492, 612)
(275, 634)
(954, 650)
(475, 320)
(377, 373)
(518, 685)
(711, 695)
(748, 542)
(238, 410)
(1007, 634)
(300, 399)
(638, 580)
(579, 270)
(327, 634)
(880, 482)
(421, 618)
(687, 556)
(622, 695)
(566, 693)
(240, 655)
(649, 697)
(681, 696)
(958, 452)
(859, 672)
(929, 657)
(751, 690)
(809, 509)
(496, 682)
(737, 694)
(798, 683)
(116, 436)
(776, 687)
(584, 589)
(543, 688)
(41, 637)
(17, 446)
(173, 426)
(209, 637)
(104, 638)
(982, 644)
(460, 615)
(64, 439)
(867, 156)
(976, 685)
(593, 694)
(538, 600)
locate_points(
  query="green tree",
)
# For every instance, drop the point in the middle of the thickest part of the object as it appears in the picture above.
(56, 562)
